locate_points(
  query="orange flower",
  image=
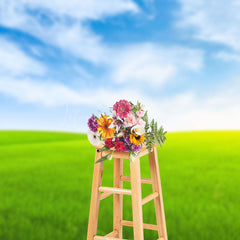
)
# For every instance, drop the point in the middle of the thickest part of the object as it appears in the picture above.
(104, 122)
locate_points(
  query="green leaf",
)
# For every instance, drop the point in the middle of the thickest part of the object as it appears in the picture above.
(104, 148)
(107, 157)
(132, 156)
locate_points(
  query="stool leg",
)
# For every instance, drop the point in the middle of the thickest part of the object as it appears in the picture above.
(156, 184)
(95, 198)
(117, 198)
(136, 199)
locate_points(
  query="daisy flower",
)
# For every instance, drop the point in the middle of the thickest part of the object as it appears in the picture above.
(104, 128)
(94, 138)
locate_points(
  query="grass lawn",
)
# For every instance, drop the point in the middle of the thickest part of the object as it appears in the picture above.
(45, 186)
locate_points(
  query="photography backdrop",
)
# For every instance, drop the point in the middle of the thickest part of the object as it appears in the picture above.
(62, 60)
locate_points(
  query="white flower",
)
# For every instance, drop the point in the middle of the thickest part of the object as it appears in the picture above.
(138, 129)
(114, 113)
(141, 107)
(94, 138)
(120, 134)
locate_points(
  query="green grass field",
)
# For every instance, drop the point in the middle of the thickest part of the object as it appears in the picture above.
(45, 186)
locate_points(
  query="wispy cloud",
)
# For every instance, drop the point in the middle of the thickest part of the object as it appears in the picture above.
(228, 56)
(153, 63)
(14, 62)
(141, 62)
(183, 111)
(50, 93)
(79, 10)
(213, 21)
(63, 26)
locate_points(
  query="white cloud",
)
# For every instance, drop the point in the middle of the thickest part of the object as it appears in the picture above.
(91, 9)
(39, 92)
(184, 111)
(153, 63)
(14, 62)
(71, 36)
(81, 10)
(188, 111)
(144, 62)
(228, 56)
(214, 21)
(50, 93)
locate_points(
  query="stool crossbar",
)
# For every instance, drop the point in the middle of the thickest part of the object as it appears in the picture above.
(100, 192)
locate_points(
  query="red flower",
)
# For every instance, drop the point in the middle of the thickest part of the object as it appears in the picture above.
(120, 147)
(109, 143)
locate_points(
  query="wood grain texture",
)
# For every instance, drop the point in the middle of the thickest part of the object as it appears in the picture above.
(115, 190)
(105, 195)
(158, 201)
(117, 198)
(145, 225)
(112, 234)
(143, 180)
(136, 199)
(150, 197)
(124, 155)
(107, 238)
(95, 198)
(136, 192)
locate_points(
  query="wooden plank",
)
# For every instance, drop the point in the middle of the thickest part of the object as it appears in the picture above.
(112, 234)
(143, 180)
(118, 155)
(117, 198)
(136, 199)
(115, 190)
(145, 225)
(104, 195)
(150, 197)
(158, 201)
(143, 152)
(107, 238)
(124, 155)
(95, 198)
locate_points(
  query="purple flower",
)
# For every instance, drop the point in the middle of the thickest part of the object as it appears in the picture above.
(92, 123)
(126, 148)
(136, 148)
(127, 140)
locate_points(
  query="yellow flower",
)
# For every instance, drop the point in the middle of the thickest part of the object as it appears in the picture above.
(104, 122)
(137, 139)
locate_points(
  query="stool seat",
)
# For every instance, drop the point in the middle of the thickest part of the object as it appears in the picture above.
(123, 155)
(100, 192)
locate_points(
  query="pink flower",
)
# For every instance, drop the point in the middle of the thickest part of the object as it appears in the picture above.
(141, 122)
(130, 120)
(140, 113)
(122, 108)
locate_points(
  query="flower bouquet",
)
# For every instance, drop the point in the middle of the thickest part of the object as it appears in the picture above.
(126, 130)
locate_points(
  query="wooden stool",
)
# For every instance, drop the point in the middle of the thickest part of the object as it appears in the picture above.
(99, 192)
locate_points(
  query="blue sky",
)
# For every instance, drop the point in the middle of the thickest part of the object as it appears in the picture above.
(61, 61)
